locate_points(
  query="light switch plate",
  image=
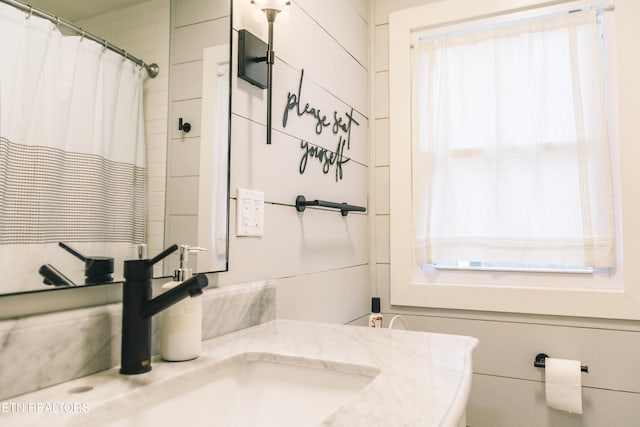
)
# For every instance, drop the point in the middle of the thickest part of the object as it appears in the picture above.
(250, 213)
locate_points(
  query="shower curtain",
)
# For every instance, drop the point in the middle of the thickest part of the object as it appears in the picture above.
(72, 165)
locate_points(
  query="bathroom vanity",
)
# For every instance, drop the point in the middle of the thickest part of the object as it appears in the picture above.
(280, 372)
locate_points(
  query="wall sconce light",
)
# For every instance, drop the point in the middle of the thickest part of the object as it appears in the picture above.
(255, 61)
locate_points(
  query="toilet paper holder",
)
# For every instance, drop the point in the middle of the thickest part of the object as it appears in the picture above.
(539, 362)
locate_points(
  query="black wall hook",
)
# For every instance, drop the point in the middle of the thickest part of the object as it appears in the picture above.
(184, 127)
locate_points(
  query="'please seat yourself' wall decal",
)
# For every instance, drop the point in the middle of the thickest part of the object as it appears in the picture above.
(340, 125)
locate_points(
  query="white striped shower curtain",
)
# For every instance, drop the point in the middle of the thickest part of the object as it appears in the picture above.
(72, 151)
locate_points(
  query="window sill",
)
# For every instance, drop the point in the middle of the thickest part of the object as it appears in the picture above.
(576, 270)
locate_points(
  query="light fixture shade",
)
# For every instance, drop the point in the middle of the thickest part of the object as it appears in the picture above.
(279, 5)
(282, 6)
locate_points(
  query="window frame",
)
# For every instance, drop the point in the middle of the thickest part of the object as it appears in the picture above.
(542, 293)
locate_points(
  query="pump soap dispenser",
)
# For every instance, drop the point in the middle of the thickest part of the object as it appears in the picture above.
(181, 324)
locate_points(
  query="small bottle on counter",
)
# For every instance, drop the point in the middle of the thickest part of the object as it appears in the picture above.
(375, 318)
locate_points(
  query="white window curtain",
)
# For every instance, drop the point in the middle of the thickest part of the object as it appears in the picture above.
(510, 152)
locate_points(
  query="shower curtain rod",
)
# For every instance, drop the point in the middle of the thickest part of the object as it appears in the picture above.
(152, 69)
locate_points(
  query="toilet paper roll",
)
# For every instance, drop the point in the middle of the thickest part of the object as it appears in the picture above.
(563, 384)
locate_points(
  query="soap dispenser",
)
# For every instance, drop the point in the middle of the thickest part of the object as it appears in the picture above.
(181, 324)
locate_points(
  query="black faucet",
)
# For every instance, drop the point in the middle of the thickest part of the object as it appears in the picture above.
(53, 277)
(138, 308)
(97, 269)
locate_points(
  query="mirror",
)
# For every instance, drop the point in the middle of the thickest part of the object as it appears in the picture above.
(187, 184)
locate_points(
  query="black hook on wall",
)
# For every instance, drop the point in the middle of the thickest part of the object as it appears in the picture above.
(184, 127)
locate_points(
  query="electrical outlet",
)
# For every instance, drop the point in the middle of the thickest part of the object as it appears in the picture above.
(246, 213)
(257, 216)
(250, 213)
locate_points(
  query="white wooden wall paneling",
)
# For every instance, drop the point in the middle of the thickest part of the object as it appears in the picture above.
(250, 101)
(381, 35)
(381, 82)
(186, 12)
(274, 169)
(297, 244)
(382, 230)
(507, 349)
(183, 202)
(189, 41)
(184, 231)
(382, 142)
(189, 77)
(385, 7)
(499, 401)
(363, 7)
(346, 21)
(382, 190)
(336, 296)
(185, 157)
(302, 43)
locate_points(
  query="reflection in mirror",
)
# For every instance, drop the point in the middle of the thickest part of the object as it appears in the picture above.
(88, 165)
(214, 183)
(197, 173)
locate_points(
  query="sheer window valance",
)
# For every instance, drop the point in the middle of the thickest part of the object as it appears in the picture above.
(510, 151)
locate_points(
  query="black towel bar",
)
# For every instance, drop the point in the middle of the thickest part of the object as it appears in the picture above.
(302, 203)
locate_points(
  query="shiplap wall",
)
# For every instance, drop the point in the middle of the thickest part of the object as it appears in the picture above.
(507, 390)
(319, 259)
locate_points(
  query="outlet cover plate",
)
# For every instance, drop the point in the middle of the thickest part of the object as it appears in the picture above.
(249, 213)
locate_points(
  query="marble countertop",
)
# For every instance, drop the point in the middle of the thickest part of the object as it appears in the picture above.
(419, 378)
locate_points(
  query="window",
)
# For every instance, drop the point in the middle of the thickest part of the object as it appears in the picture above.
(511, 165)
(546, 147)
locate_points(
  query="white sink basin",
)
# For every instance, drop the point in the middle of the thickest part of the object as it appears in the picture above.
(279, 373)
(237, 392)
